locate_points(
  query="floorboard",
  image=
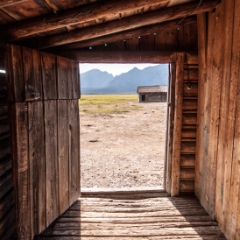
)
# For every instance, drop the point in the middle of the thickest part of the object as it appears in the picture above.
(113, 218)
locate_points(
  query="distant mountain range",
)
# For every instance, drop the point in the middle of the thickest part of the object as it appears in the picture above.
(98, 82)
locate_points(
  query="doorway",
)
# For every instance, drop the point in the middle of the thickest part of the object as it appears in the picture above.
(122, 140)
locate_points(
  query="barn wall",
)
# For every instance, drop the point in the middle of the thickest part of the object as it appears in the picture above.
(7, 214)
(180, 39)
(218, 135)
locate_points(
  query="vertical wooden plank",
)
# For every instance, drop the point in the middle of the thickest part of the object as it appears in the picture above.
(188, 37)
(226, 125)
(147, 42)
(166, 40)
(64, 78)
(74, 151)
(215, 88)
(171, 101)
(16, 82)
(49, 78)
(63, 162)
(231, 202)
(19, 121)
(75, 80)
(177, 124)
(37, 74)
(52, 181)
(32, 76)
(37, 166)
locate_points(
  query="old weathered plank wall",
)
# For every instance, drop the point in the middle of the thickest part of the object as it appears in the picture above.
(43, 95)
(218, 136)
(183, 38)
(7, 211)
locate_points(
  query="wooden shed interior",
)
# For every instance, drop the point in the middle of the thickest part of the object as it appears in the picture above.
(41, 44)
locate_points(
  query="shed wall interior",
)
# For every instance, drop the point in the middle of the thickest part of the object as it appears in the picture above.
(218, 137)
(206, 162)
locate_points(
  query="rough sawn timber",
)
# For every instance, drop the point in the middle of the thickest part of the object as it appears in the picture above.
(73, 16)
(140, 218)
(136, 21)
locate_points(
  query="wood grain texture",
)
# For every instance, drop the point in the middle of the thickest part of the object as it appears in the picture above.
(112, 27)
(16, 80)
(49, 77)
(37, 165)
(177, 124)
(21, 170)
(218, 133)
(63, 154)
(64, 78)
(74, 151)
(74, 16)
(119, 56)
(139, 218)
(125, 35)
(51, 155)
(171, 96)
(42, 139)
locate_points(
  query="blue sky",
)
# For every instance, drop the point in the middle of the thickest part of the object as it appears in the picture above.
(114, 69)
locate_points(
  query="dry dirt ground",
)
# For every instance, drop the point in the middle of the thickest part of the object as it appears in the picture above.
(123, 150)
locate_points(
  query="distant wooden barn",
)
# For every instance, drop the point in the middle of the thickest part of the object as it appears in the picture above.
(152, 93)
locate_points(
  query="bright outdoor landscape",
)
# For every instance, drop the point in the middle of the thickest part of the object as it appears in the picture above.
(122, 140)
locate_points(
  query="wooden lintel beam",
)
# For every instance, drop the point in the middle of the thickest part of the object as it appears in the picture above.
(130, 33)
(126, 56)
(74, 16)
(4, 3)
(132, 22)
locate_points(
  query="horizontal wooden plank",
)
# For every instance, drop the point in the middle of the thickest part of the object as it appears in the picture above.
(125, 35)
(139, 237)
(188, 147)
(190, 89)
(5, 165)
(189, 119)
(6, 203)
(187, 173)
(6, 183)
(73, 16)
(188, 133)
(191, 75)
(186, 185)
(189, 104)
(187, 160)
(124, 24)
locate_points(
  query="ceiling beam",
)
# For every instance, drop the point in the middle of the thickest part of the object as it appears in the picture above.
(150, 29)
(4, 3)
(74, 16)
(132, 22)
(126, 56)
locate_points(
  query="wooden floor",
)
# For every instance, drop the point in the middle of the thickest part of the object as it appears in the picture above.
(122, 218)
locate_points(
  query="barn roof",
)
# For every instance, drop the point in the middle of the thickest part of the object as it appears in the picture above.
(72, 24)
(152, 89)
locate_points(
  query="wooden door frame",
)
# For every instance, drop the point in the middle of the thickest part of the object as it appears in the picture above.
(172, 162)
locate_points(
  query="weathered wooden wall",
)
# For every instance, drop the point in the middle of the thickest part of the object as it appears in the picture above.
(183, 38)
(153, 97)
(218, 136)
(43, 97)
(7, 211)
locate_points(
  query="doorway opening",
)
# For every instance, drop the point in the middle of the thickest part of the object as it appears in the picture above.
(123, 135)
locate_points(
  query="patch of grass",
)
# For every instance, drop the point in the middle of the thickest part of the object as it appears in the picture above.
(106, 99)
(108, 104)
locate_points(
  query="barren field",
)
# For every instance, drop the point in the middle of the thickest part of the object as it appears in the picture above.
(122, 142)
